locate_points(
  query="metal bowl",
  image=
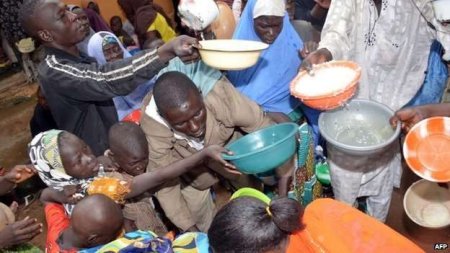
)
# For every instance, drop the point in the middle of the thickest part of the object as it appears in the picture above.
(359, 128)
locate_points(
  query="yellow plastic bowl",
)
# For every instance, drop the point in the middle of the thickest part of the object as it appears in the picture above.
(231, 54)
(427, 204)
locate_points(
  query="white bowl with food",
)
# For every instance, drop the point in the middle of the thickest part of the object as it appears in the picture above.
(427, 204)
(231, 54)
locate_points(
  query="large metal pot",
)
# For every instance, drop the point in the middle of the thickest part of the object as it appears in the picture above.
(359, 128)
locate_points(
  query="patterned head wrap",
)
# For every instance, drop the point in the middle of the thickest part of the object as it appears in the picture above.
(45, 156)
(147, 241)
(108, 39)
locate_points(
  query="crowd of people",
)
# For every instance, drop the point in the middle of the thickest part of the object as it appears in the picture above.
(130, 126)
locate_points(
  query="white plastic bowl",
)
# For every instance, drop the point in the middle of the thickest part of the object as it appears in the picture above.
(442, 10)
(427, 204)
(231, 54)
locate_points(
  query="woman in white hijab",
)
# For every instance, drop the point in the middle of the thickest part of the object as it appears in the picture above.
(106, 47)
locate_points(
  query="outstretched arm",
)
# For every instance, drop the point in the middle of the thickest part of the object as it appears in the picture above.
(94, 82)
(150, 180)
(67, 196)
(335, 42)
(409, 116)
(16, 175)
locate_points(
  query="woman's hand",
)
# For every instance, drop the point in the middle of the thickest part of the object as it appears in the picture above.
(214, 152)
(19, 232)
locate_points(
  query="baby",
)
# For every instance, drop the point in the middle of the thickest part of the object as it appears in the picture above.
(95, 220)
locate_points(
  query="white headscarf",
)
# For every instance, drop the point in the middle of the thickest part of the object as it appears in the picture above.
(95, 46)
(269, 8)
(72, 7)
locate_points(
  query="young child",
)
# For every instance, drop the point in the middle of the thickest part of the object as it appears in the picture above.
(129, 153)
(95, 220)
(65, 163)
(117, 28)
(96, 226)
(260, 225)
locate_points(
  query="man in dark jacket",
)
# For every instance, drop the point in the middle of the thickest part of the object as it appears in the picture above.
(79, 92)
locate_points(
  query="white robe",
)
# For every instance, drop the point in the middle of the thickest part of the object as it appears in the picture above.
(392, 48)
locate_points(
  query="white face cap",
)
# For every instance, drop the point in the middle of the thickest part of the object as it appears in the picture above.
(269, 8)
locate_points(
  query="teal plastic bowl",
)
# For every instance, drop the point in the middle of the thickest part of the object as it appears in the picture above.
(263, 150)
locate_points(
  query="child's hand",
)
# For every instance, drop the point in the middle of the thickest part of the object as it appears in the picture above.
(107, 163)
(71, 194)
(215, 152)
(19, 232)
(408, 117)
(19, 173)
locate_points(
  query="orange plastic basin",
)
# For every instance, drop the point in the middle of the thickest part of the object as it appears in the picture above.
(427, 149)
(333, 99)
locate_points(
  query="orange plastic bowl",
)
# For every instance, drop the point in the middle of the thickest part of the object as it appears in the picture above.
(333, 99)
(427, 149)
